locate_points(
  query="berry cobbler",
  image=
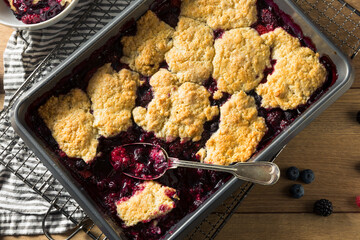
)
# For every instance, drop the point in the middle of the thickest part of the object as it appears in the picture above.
(36, 11)
(205, 80)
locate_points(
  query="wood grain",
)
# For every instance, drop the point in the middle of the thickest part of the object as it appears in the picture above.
(329, 146)
(301, 226)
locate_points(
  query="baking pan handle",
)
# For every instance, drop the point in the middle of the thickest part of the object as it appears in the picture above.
(47, 234)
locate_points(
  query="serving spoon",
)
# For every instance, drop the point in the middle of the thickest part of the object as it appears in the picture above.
(264, 173)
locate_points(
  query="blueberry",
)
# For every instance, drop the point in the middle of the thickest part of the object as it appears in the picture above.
(297, 191)
(175, 149)
(290, 115)
(80, 165)
(214, 126)
(292, 173)
(358, 117)
(307, 176)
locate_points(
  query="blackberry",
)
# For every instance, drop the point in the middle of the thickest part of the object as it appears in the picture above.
(292, 173)
(274, 117)
(297, 191)
(323, 207)
(307, 176)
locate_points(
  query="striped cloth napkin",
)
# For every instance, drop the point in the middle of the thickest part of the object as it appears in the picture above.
(21, 209)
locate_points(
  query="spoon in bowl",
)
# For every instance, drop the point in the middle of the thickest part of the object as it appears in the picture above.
(147, 161)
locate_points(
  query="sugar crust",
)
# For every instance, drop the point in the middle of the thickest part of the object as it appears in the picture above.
(297, 72)
(241, 56)
(240, 131)
(221, 14)
(71, 124)
(113, 96)
(192, 53)
(150, 202)
(177, 110)
(146, 50)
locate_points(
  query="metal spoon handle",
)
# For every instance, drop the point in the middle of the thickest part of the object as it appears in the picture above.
(264, 173)
(175, 162)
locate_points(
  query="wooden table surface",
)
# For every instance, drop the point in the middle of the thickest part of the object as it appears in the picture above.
(330, 146)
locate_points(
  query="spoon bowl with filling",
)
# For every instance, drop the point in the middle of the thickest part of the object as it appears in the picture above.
(147, 161)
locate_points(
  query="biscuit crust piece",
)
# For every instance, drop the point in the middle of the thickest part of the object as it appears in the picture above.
(240, 131)
(146, 50)
(221, 14)
(241, 56)
(192, 53)
(71, 124)
(152, 200)
(113, 96)
(12, 5)
(176, 110)
(297, 72)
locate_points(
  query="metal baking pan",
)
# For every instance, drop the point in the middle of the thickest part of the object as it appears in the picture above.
(134, 11)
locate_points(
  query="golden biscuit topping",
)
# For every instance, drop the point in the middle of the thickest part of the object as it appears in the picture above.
(297, 72)
(192, 52)
(240, 59)
(221, 14)
(113, 96)
(71, 124)
(151, 201)
(64, 2)
(12, 5)
(146, 50)
(240, 131)
(175, 111)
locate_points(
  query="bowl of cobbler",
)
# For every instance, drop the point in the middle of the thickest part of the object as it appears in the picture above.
(34, 14)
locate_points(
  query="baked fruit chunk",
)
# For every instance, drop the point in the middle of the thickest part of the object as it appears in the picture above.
(240, 131)
(177, 110)
(71, 124)
(221, 14)
(241, 57)
(146, 50)
(297, 72)
(192, 53)
(113, 96)
(150, 201)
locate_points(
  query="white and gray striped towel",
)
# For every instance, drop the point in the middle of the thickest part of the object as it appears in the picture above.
(21, 209)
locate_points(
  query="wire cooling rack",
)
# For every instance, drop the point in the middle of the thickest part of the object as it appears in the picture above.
(336, 18)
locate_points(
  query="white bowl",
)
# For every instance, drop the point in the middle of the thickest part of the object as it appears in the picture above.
(8, 18)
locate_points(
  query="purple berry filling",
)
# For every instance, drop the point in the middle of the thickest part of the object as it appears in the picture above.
(30, 13)
(218, 33)
(141, 161)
